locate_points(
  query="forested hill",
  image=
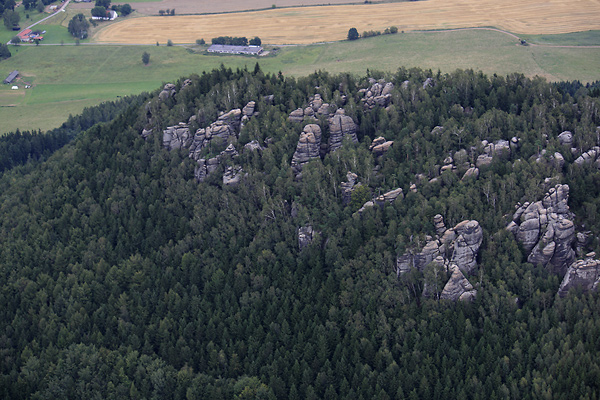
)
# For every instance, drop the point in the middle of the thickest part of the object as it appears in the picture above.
(243, 235)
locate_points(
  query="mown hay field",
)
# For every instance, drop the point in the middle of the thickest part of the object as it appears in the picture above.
(304, 25)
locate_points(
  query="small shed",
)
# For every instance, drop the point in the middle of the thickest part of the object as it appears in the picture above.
(11, 77)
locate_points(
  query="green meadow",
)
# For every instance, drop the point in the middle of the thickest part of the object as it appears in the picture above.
(67, 78)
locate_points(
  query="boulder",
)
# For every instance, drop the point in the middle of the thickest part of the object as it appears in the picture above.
(584, 274)
(472, 173)
(341, 126)
(380, 146)
(378, 94)
(297, 115)
(589, 156)
(248, 109)
(169, 90)
(565, 138)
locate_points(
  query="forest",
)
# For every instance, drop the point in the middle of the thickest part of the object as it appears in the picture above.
(123, 276)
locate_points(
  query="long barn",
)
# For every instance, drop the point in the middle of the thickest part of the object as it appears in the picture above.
(229, 49)
(11, 77)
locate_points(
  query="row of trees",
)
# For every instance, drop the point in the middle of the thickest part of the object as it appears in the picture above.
(236, 41)
(123, 277)
(354, 35)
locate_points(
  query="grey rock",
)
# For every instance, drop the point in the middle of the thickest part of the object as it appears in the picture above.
(253, 146)
(380, 146)
(469, 236)
(297, 115)
(546, 230)
(584, 274)
(348, 187)
(341, 126)
(178, 136)
(308, 147)
(232, 175)
(168, 91)
(565, 138)
(458, 287)
(388, 197)
(483, 160)
(472, 173)
(230, 151)
(249, 108)
(305, 236)
(440, 226)
(589, 156)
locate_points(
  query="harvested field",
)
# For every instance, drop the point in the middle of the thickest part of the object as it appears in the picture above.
(211, 6)
(328, 23)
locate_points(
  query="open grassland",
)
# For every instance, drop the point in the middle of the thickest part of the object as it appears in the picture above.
(68, 78)
(327, 23)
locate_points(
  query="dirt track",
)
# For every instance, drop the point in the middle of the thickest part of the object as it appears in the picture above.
(317, 24)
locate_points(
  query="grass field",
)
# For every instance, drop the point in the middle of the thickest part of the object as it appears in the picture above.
(68, 78)
(321, 24)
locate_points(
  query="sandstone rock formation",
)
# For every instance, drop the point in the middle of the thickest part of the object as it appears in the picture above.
(307, 148)
(378, 94)
(232, 175)
(590, 156)
(169, 90)
(315, 107)
(545, 229)
(380, 146)
(472, 173)
(584, 274)
(341, 126)
(566, 138)
(204, 167)
(177, 136)
(305, 236)
(458, 287)
(348, 187)
(253, 146)
(453, 249)
(388, 197)
(458, 245)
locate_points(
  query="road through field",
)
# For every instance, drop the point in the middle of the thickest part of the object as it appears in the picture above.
(304, 25)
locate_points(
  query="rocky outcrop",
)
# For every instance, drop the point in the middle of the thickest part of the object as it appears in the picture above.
(471, 173)
(590, 156)
(501, 148)
(341, 126)
(308, 147)
(388, 197)
(169, 90)
(546, 230)
(380, 146)
(315, 107)
(204, 167)
(177, 136)
(378, 94)
(348, 187)
(305, 236)
(566, 138)
(458, 287)
(557, 160)
(584, 274)
(458, 245)
(232, 175)
(253, 146)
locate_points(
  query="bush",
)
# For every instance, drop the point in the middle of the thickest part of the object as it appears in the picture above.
(393, 29)
(169, 42)
(200, 42)
(146, 58)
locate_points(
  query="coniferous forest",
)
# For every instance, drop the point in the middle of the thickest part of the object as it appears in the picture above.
(130, 269)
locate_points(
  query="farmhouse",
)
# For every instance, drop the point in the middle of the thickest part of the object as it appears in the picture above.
(111, 15)
(29, 36)
(11, 77)
(229, 49)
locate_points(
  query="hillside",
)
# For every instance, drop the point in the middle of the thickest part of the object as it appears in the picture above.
(238, 234)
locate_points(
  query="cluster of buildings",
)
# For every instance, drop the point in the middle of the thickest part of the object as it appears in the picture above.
(229, 49)
(30, 36)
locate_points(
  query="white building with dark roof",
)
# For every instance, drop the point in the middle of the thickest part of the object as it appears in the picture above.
(229, 49)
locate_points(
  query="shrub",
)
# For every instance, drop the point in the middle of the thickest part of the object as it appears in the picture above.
(169, 42)
(353, 34)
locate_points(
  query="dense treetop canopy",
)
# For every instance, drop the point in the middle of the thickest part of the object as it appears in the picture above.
(125, 278)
